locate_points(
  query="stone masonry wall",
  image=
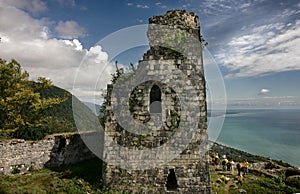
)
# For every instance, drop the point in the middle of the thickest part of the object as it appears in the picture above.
(189, 172)
(54, 150)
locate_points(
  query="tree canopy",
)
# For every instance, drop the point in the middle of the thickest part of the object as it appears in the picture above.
(21, 105)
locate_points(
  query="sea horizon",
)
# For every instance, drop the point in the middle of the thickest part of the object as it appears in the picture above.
(272, 133)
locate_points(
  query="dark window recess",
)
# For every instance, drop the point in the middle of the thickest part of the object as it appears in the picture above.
(62, 144)
(155, 99)
(171, 181)
(161, 142)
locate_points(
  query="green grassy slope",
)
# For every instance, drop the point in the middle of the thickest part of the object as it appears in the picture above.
(265, 175)
(85, 177)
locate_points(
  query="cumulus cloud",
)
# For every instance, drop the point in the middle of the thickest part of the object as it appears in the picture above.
(30, 42)
(69, 30)
(266, 49)
(263, 91)
(19, 25)
(33, 6)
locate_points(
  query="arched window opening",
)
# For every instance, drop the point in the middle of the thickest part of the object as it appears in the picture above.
(171, 181)
(155, 99)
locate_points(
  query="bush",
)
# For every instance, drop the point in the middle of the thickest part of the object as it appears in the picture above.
(293, 182)
(15, 170)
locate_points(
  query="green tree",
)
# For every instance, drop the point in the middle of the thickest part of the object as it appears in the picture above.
(21, 106)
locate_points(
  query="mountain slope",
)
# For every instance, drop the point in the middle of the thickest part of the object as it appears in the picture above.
(58, 118)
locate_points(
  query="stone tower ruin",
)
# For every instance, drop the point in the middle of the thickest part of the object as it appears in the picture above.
(156, 116)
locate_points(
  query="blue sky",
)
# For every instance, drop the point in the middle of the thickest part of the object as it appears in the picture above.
(255, 43)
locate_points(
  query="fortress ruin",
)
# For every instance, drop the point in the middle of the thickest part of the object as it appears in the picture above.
(168, 104)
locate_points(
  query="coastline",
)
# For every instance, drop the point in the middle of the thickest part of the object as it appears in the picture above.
(240, 155)
(272, 133)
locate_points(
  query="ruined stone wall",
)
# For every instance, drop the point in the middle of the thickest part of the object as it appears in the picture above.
(189, 171)
(54, 150)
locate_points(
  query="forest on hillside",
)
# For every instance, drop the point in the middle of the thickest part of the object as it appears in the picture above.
(31, 110)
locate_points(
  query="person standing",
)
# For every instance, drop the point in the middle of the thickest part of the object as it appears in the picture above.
(224, 164)
(216, 159)
(238, 167)
(246, 164)
(232, 167)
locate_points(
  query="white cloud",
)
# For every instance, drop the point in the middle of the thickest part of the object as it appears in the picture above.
(29, 41)
(141, 21)
(245, 5)
(186, 5)
(289, 12)
(33, 6)
(20, 25)
(142, 6)
(216, 7)
(266, 49)
(138, 5)
(69, 30)
(71, 3)
(160, 5)
(263, 91)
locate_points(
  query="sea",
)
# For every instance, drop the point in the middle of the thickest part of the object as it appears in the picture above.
(267, 132)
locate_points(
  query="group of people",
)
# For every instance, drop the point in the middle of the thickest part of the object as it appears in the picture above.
(229, 166)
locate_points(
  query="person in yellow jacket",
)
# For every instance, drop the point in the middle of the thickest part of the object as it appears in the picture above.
(240, 180)
(216, 159)
(224, 178)
(246, 164)
(224, 164)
